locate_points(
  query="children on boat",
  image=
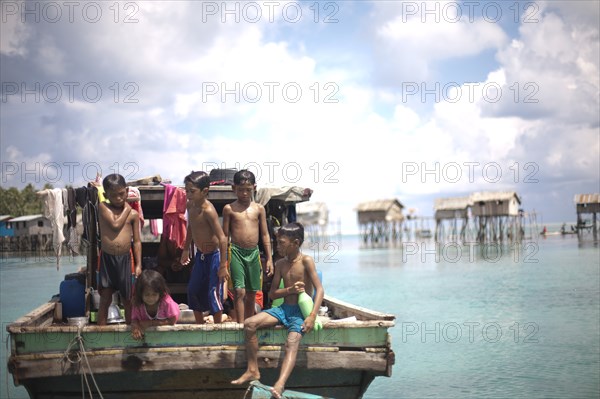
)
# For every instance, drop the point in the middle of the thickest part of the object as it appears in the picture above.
(121, 249)
(299, 274)
(152, 305)
(205, 288)
(245, 222)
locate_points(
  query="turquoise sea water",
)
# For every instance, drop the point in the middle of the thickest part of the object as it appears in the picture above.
(471, 322)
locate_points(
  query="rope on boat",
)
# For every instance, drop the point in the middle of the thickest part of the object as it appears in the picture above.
(81, 354)
(248, 390)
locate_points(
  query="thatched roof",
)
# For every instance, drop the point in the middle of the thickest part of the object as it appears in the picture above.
(285, 194)
(312, 213)
(587, 198)
(378, 205)
(388, 210)
(488, 196)
(452, 204)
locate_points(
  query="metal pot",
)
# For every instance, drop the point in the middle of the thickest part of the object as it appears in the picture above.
(114, 315)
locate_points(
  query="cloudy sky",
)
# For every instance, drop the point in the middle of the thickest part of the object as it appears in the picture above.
(358, 100)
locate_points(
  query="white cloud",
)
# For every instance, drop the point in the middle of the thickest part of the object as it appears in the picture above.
(19, 169)
(577, 12)
(409, 39)
(13, 34)
(350, 150)
(552, 71)
(50, 58)
(444, 39)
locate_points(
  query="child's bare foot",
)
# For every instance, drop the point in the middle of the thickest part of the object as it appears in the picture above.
(246, 377)
(277, 391)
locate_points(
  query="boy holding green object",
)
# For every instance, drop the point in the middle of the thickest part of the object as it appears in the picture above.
(299, 275)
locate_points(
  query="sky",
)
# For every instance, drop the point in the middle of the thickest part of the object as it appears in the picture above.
(357, 100)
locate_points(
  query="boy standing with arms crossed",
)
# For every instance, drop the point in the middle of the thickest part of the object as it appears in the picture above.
(205, 289)
(118, 263)
(245, 222)
(299, 275)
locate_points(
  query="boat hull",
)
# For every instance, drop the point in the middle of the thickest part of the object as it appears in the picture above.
(194, 384)
(194, 361)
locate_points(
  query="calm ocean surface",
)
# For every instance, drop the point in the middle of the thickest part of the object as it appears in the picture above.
(517, 323)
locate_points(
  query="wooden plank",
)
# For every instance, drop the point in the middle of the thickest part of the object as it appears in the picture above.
(358, 324)
(115, 361)
(32, 340)
(33, 317)
(191, 349)
(343, 309)
(27, 337)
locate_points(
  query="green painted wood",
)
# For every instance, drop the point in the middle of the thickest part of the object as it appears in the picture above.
(50, 340)
(190, 358)
(193, 361)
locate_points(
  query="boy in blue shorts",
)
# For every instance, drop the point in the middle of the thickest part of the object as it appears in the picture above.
(299, 274)
(205, 289)
(245, 222)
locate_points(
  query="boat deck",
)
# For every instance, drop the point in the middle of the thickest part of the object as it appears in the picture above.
(340, 360)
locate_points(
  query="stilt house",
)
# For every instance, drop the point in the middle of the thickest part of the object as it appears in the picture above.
(451, 211)
(314, 216)
(380, 220)
(31, 232)
(587, 204)
(496, 214)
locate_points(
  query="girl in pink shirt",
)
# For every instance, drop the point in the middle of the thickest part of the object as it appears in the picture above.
(151, 305)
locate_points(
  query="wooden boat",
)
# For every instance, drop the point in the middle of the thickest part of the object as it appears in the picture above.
(551, 233)
(52, 359)
(187, 360)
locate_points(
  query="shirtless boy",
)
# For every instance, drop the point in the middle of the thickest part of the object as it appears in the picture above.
(299, 274)
(120, 261)
(205, 289)
(245, 222)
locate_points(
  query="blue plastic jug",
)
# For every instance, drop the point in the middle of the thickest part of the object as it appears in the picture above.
(72, 296)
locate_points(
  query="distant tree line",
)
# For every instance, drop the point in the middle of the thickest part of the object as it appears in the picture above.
(19, 203)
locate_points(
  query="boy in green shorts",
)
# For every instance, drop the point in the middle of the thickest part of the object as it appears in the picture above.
(245, 222)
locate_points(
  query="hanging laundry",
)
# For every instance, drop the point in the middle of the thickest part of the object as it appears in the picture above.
(87, 199)
(135, 201)
(156, 227)
(54, 211)
(174, 220)
(71, 208)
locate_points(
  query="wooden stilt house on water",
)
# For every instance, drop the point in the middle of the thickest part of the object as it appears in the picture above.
(30, 233)
(6, 229)
(587, 204)
(380, 221)
(314, 216)
(52, 356)
(449, 212)
(6, 233)
(497, 216)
